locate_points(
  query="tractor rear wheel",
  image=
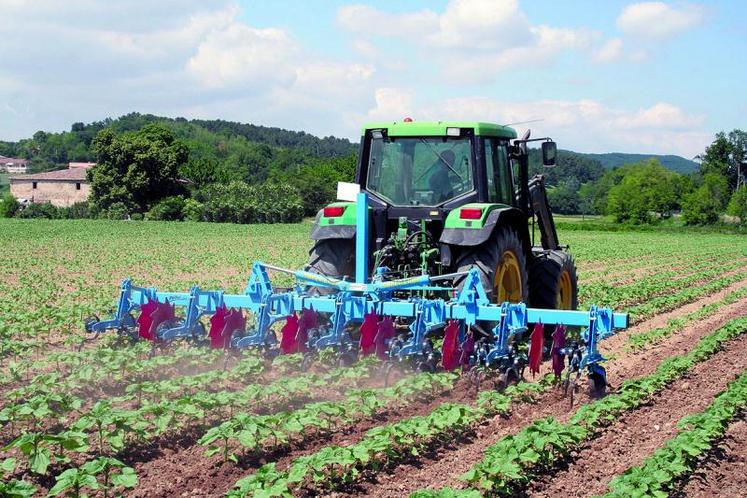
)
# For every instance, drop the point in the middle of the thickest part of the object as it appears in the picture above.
(333, 258)
(553, 283)
(502, 267)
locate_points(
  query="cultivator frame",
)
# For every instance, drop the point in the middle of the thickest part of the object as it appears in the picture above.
(375, 305)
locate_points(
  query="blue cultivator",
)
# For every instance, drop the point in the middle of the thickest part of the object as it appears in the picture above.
(396, 319)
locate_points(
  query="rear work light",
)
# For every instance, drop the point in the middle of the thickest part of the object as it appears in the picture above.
(470, 213)
(333, 211)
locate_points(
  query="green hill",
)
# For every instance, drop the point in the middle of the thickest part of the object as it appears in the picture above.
(612, 160)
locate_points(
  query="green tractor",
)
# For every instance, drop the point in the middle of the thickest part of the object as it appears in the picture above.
(445, 197)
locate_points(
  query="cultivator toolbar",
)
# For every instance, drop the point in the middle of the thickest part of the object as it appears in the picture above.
(394, 319)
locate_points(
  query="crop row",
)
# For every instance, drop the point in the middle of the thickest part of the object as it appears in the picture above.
(680, 454)
(115, 428)
(625, 295)
(640, 340)
(512, 462)
(253, 432)
(668, 302)
(385, 445)
(655, 263)
(605, 287)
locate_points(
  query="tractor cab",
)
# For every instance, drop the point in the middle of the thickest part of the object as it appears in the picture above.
(444, 197)
(421, 167)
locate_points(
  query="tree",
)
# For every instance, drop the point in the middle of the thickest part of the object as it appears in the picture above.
(564, 198)
(136, 169)
(9, 206)
(738, 205)
(704, 205)
(723, 156)
(645, 188)
(317, 182)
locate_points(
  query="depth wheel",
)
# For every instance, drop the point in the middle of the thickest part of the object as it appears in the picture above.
(346, 359)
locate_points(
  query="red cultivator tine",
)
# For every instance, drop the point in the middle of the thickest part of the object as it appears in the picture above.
(369, 328)
(144, 320)
(558, 343)
(537, 344)
(163, 313)
(451, 356)
(288, 341)
(386, 332)
(235, 320)
(305, 323)
(217, 324)
(468, 347)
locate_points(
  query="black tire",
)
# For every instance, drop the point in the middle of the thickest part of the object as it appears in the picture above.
(333, 258)
(546, 274)
(488, 257)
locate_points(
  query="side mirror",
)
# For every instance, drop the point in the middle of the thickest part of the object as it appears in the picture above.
(549, 153)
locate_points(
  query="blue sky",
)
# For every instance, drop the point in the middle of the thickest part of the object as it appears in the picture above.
(656, 77)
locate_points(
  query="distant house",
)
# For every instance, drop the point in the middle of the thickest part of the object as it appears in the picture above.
(61, 188)
(13, 165)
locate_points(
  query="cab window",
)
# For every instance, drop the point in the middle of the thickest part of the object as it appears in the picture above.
(498, 172)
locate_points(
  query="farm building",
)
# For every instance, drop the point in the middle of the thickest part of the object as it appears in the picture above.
(13, 165)
(61, 188)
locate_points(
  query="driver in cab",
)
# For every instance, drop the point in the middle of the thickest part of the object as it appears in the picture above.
(440, 182)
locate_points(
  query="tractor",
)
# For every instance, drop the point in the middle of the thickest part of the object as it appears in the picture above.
(446, 197)
(426, 261)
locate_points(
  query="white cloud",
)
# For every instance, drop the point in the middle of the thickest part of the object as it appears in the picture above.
(365, 19)
(611, 51)
(660, 115)
(658, 20)
(471, 39)
(241, 55)
(583, 125)
(482, 25)
(84, 60)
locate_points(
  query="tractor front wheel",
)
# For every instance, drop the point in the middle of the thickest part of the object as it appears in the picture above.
(502, 267)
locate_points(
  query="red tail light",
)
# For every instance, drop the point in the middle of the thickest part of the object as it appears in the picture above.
(470, 213)
(333, 211)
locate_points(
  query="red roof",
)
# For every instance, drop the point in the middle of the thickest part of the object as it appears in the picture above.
(70, 175)
(12, 161)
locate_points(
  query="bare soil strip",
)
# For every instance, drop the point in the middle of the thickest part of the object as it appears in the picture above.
(445, 466)
(636, 435)
(185, 471)
(724, 472)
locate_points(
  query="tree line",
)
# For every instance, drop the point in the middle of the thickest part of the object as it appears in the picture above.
(168, 169)
(646, 192)
(172, 169)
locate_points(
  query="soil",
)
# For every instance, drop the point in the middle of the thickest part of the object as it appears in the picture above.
(184, 472)
(176, 466)
(637, 434)
(724, 472)
(447, 464)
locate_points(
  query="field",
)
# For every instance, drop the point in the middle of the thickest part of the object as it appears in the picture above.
(105, 419)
